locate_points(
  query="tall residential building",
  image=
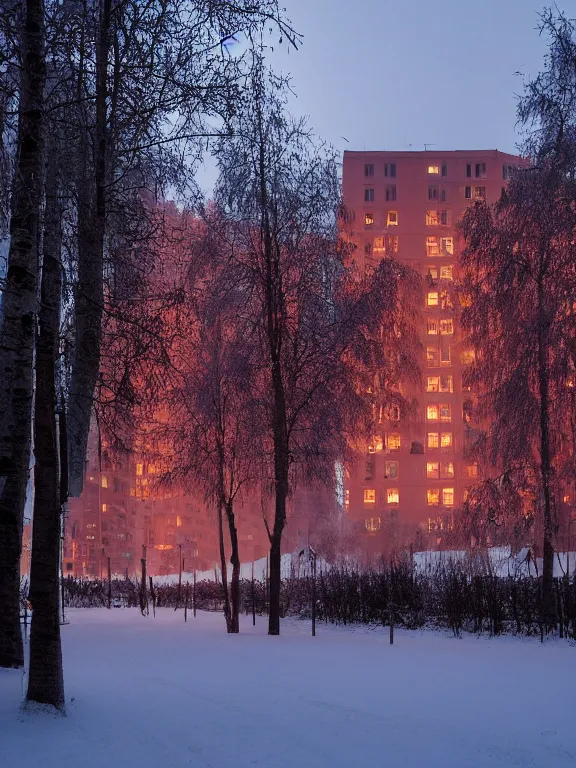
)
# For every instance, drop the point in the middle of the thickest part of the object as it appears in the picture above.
(417, 469)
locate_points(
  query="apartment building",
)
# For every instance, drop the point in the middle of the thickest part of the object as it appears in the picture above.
(417, 469)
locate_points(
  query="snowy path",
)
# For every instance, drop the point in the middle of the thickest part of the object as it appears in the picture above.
(158, 693)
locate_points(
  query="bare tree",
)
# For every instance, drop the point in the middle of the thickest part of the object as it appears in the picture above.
(521, 291)
(323, 332)
(45, 676)
(18, 331)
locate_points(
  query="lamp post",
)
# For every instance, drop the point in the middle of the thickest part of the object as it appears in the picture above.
(312, 559)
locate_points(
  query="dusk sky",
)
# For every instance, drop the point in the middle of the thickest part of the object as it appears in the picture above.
(398, 75)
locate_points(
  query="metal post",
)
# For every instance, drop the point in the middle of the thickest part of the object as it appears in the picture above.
(253, 600)
(313, 556)
(109, 583)
(194, 590)
(179, 599)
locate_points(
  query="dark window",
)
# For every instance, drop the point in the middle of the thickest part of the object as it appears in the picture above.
(443, 196)
(444, 217)
(390, 170)
(468, 193)
(433, 192)
(391, 192)
(480, 170)
(368, 170)
(469, 170)
(444, 169)
(369, 195)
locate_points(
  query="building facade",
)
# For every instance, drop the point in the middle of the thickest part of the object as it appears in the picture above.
(417, 469)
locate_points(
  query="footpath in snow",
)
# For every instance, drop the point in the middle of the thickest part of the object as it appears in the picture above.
(158, 693)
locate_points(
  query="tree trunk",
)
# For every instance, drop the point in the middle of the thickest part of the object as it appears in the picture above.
(223, 569)
(548, 596)
(234, 626)
(17, 335)
(89, 297)
(45, 678)
(274, 586)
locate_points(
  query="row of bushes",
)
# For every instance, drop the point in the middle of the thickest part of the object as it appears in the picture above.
(444, 597)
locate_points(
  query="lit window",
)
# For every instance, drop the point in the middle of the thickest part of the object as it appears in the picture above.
(566, 499)
(445, 356)
(104, 507)
(446, 327)
(472, 470)
(347, 499)
(369, 219)
(432, 298)
(393, 441)
(467, 357)
(104, 481)
(446, 440)
(432, 413)
(446, 383)
(432, 326)
(432, 357)
(447, 469)
(378, 444)
(433, 495)
(446, 273)
(391, 469)
(468, 193)
(369, 195)
(393, 496)
(433, 170)
(368, 170)
(178, 521)
(432, 383)
(432, 248)
(391, 243)
(391, 192)
(480, 170)
(447, 244)
(390, 170)
(432, 272)
(392, 219)
(372, 524)
(433, 192)
(445, 412)
(139, 469)
(432, 218)
(432, 440)
(432, 469)
(448, 497)
(479, 193)
(369, 496)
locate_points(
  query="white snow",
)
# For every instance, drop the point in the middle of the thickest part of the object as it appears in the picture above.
(159, 693)
(498, 561)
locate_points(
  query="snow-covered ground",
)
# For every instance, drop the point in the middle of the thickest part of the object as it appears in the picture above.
(158, 693)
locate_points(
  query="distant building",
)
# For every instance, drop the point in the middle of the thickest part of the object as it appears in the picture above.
(408, 204)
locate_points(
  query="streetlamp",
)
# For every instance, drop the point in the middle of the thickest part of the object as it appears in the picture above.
(312, 559)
